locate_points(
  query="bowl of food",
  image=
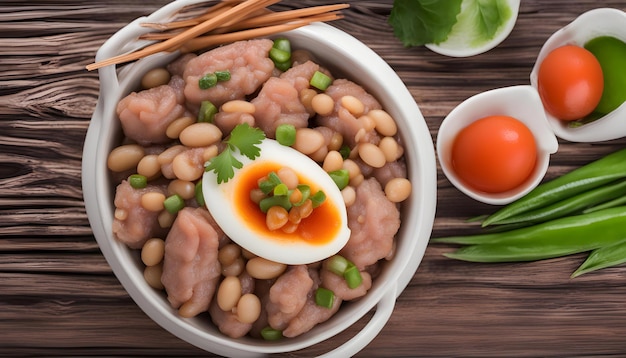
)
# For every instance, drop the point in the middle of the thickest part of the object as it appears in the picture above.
(186, 176)
(579, 76)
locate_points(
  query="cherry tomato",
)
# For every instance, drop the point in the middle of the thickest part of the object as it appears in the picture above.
(570, 82)
(494, 154)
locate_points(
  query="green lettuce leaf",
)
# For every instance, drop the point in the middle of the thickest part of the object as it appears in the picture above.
(420, 22)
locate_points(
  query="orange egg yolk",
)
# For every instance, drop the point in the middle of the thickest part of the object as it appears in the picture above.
(320, 228)
(494, 154)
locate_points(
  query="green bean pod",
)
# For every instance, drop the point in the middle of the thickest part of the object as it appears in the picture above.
(559, 237)
(603, 257)
(572, 205)
(602, 171)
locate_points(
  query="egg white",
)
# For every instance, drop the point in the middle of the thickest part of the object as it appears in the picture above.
(220, 202)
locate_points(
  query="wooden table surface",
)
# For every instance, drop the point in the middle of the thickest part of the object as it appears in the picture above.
(58, 296)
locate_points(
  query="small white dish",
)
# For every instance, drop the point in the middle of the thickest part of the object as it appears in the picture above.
(457, 44)
(520, 102)
(591, 24)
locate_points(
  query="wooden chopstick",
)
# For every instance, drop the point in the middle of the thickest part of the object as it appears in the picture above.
(173, 43)
(227, 21)
(216, 39)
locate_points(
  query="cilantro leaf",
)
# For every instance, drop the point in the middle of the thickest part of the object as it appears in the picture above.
(247, 139)
(420, 22)
(243, 138)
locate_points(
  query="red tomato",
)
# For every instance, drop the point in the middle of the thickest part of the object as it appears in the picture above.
(570, 82)
(494, 154)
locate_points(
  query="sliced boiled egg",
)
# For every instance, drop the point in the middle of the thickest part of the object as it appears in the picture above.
(318, 236)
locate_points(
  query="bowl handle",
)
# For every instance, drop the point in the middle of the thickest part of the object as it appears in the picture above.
(384, 309)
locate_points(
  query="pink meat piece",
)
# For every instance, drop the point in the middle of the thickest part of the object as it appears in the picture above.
(145, 115)
(300, 75)
(140, 224)
(374, 221)
(288, 295)
(343, 121)
(249, 67)
(389, 171)
(227, 322)
(311, 314)
(340, 288)
(191, 270)
(177, 67)
(279, 103)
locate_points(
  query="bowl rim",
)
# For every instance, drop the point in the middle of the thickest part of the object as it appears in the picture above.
(101, 133)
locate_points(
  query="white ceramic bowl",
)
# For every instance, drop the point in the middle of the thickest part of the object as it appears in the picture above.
(520, 102)
(591, 24)
(343, 54)
(457, 46)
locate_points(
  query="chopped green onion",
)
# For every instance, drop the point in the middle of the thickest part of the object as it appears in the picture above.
(281, 189)
(207, 112)
(286, 134)
(324, 297)
(266, 203)
(222, 75)
(174, 203)
(138, 181)
(198, 193)
(318, 198)
(207, 81)
(344, 151)
(352, 276)
(305, 190)
(320, 81)
(270, 334)
(280, 54)
(338, 264)
(341, 177)
(282, 44)
(267, 186)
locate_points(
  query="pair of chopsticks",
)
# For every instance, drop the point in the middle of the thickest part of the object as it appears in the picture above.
(227, 21)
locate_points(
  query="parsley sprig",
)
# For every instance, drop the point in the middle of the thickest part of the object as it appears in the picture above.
(244, 138)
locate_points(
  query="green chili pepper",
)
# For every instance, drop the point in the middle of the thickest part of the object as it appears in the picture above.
(608, 204)
(592, 175)
(572, 205)
(603, 257)
(555, 238)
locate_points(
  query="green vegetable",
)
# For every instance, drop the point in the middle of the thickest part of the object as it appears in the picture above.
(244, 138)
(572, 205)
(352, 275)
(281, 189)
(268, 185)
(611, 54)
(479, 22)
(344, 151)
(603, 257)
(275, 200)
(420, 22)
(320, 81)
(589, 176)
(608, 204)
(338, 264)
(207, 112)
(138, 181)
(555, 238)
(280, 54)
(318, 198)
(270, 334)
(305, 190)
(222, 75)
(207, 81)
(174, 203)
(324, 297)
(198, 193)
(286, 134)
(341, 177)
